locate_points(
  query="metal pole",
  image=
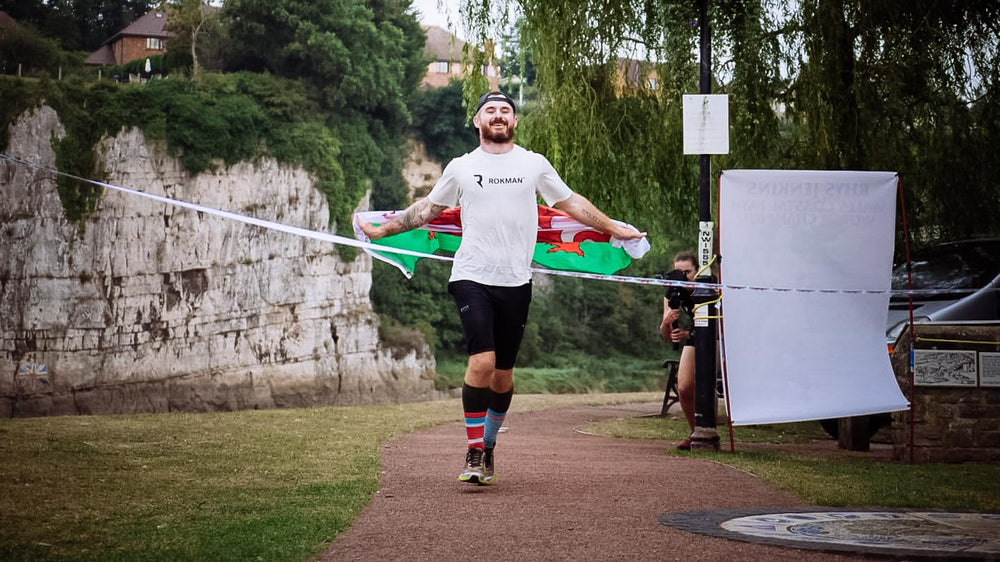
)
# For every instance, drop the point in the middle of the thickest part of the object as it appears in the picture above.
(705, 436)
(705, 87)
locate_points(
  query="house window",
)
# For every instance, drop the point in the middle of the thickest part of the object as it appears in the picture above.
(442, 66)
(154, 44)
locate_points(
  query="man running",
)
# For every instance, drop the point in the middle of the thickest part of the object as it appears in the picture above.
(497, 186)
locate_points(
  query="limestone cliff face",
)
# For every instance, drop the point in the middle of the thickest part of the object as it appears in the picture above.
(420, 171)
(147, 307)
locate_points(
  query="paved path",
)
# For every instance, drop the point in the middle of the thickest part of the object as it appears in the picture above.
(561, 495)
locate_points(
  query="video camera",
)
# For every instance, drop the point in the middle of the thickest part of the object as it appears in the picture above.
(679, 298)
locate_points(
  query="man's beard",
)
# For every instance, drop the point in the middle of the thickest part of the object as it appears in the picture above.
(501, 136)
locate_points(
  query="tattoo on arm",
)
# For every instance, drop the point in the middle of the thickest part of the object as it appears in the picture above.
(581, 209)
(595, 220)
(415, 216)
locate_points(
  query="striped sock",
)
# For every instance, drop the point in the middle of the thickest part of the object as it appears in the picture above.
(474, 402)
(493, 422)
(474, 425)
(495, 415)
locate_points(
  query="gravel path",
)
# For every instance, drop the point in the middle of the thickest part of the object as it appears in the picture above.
(561, 495)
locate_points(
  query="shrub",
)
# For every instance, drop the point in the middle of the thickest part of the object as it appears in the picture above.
(401, 340)
(37, 55)
(233, 118)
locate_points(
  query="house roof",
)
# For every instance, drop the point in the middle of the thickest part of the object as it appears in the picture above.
(153, 24)
(442, 45)
(104, 55)
(7, 22)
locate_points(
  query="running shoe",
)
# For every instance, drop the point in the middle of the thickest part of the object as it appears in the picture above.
(489, 477)
(473, 471)
(684, 445)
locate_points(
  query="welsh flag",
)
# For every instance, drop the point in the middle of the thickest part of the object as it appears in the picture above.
(563, 243)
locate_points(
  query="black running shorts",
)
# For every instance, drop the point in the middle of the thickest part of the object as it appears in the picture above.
(493, 318)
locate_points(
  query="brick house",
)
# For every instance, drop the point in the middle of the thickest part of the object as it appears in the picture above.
(633, 75)
(445, 51)
(145, 37)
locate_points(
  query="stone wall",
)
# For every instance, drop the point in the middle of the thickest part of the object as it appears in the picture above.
(950, 424)
(148, 307)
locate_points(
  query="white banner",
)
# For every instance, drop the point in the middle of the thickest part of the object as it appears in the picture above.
(805, 355)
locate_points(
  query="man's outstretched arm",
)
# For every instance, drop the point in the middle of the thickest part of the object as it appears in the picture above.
(581, 209)
(416, 215)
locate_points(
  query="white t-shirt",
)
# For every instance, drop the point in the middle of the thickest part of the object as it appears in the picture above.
(497, 193)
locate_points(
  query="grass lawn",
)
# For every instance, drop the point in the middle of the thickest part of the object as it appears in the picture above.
(281, 484)
(831, 481)
(252, 485)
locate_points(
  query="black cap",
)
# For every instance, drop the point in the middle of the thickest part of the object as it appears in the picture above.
(495, 96)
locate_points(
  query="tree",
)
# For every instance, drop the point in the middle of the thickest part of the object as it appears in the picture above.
(829, 84)
(439, 121)
(517, 59)
(34, 54)
(516, 64)
(77, 24)
(360, 55)
(362, 59)
(186, 19)
(907, 87)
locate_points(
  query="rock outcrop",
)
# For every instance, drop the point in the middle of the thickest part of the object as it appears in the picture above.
(148, 307)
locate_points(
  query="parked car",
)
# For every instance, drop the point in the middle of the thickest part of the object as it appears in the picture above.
(964, 277)
(960, 281)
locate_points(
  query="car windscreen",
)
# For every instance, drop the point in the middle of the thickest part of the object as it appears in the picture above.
(961, 266)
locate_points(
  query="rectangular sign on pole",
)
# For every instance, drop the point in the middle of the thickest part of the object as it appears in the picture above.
(706, 243)
(811, 255)
(706, 124)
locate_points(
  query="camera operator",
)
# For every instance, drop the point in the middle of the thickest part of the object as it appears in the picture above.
(677, 301)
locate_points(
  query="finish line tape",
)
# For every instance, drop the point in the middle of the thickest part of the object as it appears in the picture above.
(368, 246)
